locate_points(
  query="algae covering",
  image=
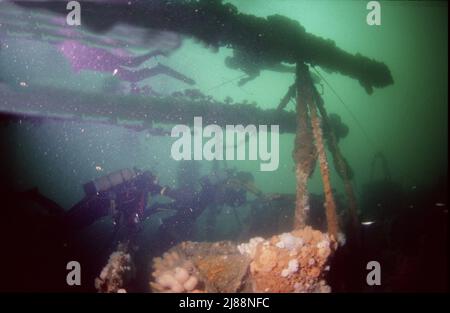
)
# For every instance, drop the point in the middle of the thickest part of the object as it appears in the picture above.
(224, 146)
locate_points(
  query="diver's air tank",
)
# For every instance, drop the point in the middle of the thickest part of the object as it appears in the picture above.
(106, 182)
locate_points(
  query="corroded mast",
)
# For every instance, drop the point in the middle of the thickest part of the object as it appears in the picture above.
(309, 146)
(304, 153)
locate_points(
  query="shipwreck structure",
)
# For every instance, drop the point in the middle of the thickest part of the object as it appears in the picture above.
(274, 40)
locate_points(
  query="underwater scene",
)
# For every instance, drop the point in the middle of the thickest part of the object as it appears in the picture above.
(224, 146)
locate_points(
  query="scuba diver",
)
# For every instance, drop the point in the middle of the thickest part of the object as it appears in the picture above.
(253, 63)
(216, 190)
(229, 190)
(122, 194)
(83, 57)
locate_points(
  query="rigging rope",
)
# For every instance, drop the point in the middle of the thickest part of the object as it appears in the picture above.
(358, 123)
(226, 82)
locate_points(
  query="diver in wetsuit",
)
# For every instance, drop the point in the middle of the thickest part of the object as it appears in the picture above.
(123, 195)
(252, 64)
(216, 190)
(123, 65)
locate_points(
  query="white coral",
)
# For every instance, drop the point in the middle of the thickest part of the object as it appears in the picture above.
(115, 272)
(250, 247)
(324, 244)
(341, 239)
(292, 268)
(171, 277)
(289, 242)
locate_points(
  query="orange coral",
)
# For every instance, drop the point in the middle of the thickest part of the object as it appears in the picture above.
(296, 268)
(289, 262)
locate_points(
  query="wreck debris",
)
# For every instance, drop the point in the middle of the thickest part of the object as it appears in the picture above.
(75, 105)
(275, 39)
(116, 272)
(173, 274)
(287, 97)
(289, 262)
(205, 267)
(292, 262)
